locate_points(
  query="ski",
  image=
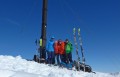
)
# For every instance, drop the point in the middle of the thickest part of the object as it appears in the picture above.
(82, 50)
(77, 64)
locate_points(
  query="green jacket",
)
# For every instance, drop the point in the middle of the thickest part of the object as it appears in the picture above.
(68, 47)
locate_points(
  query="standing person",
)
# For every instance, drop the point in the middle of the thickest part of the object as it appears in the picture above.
(68, 50)
(59, 48)
(42, 51)
(50, 50)
(62, 50)
(57, 54)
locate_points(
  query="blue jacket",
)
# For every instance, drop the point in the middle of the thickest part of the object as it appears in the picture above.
(50, 46)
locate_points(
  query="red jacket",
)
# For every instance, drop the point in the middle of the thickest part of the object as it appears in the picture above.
(59, 48)
(56, 47)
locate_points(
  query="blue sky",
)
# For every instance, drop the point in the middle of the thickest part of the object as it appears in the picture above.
(99, 20)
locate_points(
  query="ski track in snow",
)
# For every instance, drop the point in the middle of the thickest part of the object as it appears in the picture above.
(18, 67)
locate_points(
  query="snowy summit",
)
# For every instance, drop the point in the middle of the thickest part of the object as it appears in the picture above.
(17, 67)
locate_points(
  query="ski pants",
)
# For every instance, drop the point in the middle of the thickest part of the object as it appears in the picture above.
(57, 58)
(51, 57)
(63, 58)
(69, 57)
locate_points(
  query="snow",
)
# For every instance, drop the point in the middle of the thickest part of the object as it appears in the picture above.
(17, 67)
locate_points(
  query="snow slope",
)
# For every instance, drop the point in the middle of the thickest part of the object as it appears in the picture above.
(18, 67)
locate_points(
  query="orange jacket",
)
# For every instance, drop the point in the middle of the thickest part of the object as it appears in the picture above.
(56, 47)
(61, 48)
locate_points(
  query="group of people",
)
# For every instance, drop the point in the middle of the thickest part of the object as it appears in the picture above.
(59, 51)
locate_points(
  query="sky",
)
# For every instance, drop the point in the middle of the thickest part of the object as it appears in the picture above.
(99, 20)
